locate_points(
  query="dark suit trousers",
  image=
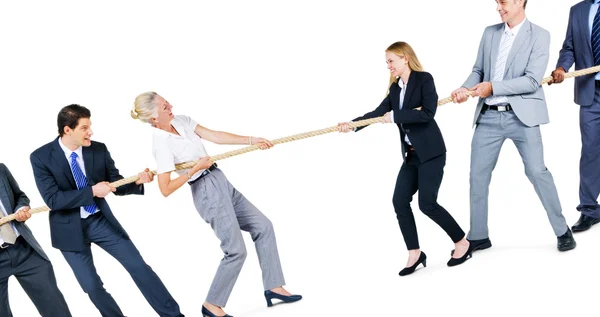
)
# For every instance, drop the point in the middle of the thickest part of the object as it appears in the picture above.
(35, 275)
(426, 178)
(99, 231)
(589, 164)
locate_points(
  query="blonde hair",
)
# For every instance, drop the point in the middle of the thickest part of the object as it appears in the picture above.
(402, 49)
(145, 107)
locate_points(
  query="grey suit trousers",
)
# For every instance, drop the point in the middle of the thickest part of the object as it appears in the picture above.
(228, 212)
(492, 129)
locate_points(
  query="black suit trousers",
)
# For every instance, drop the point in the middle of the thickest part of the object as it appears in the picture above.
(426, 178)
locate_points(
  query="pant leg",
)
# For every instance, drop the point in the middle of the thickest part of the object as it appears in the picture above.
(213, 202)
(82, 264)
(36, 276)
(261, 230)
(431, 173)
(406, 187)
(589, 163)
(485, 149)
(123, 250)
(529, 143)
(6, 271)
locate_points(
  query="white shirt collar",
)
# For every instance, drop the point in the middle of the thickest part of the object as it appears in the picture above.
(165, 134)
(401, 83)
(515, 30)
(67, 151)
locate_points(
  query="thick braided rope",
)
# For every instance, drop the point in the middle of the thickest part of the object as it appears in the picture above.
(295, 137)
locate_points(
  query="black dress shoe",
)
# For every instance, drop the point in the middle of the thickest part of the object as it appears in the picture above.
(584, 223)
(475, 245)
(566, 241)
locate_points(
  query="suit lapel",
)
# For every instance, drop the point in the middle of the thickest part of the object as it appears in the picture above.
(496, 37)
(583, 19)
(88, 160)
(523, 37)
(58, 155)
(4, 196)
(395, 95)
(410, 88)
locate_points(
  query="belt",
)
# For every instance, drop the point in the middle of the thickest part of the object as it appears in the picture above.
(204, 173)
(498, 107)
(5, 245)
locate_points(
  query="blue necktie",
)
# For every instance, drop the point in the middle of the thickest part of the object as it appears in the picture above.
(596, 38)
(81, 181)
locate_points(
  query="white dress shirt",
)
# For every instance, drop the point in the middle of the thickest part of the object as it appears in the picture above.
(84, 214)
(512, 34)
(170, 149)
(4, 214)
(402, 92)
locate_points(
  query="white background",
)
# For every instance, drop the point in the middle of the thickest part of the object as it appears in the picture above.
(272, 69)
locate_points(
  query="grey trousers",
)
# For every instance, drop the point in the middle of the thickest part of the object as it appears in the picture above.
(228, 212)
(492, 129)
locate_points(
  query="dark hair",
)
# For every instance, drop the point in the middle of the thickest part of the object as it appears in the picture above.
(69, 117)
(524, 4)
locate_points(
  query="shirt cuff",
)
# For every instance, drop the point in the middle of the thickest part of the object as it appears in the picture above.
(392, 116)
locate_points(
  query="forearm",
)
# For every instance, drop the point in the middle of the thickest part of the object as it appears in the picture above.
(230, 138)
(61, 200)
(168, 186)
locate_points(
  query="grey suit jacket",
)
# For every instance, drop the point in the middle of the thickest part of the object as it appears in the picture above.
(577, 48)
(12, 199)
(524, 71)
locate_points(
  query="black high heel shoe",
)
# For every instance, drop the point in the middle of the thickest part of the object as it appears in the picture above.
(207, 313)
(462, 259)
(286, 299)
(411, 269)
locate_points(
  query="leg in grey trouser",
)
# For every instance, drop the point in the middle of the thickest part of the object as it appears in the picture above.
(492, 129)
(229, 212)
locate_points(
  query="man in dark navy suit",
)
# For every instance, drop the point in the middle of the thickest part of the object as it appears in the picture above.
(22, 256)
(72, 174)
(582, 47)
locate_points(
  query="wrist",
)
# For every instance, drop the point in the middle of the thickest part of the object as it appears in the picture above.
(250, 140)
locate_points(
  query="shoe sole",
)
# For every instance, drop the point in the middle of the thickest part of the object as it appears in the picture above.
(570, 248)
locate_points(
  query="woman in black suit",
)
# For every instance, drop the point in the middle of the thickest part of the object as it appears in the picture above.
(411, 104)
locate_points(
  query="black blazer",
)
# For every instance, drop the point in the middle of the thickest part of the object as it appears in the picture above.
(13, 198)
(423, 132)
(57, 186)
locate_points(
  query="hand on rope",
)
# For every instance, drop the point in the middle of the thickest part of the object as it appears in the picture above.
(349, 125)
(548, 80)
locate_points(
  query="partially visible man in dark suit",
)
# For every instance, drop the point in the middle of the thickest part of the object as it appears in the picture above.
(72, 174)
(22, 257)
(582, 47)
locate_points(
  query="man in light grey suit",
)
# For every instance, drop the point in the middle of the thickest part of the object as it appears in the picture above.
(22, 256)
(582, 47)
(510, 65)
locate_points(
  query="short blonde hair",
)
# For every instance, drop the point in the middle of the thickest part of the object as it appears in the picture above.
(145, 107)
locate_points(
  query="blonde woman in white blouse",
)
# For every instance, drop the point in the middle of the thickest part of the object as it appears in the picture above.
(178, 139)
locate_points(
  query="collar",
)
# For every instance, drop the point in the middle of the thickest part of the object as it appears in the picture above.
(67, 151)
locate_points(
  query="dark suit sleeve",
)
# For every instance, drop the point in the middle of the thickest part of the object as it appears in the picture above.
(55, 198)
(21, 200)
(112, 174)
(384, 107)
(566, 56)
(429, 97)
